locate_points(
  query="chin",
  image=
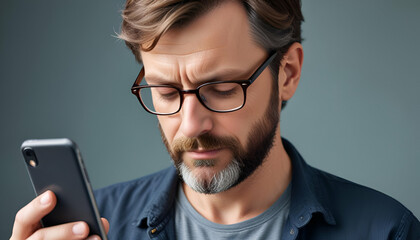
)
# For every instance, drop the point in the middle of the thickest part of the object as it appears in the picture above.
(204, 173)
(208, 180)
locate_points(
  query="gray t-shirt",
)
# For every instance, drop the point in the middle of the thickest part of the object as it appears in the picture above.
(189, 224)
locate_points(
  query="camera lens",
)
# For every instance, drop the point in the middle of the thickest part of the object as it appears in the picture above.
(30, 157)
(28, 152)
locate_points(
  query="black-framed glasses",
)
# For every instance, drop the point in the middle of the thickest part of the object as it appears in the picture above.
(219, 96)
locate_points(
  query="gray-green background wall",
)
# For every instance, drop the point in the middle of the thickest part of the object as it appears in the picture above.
(355, 114)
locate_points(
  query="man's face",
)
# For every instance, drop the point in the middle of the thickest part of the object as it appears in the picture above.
(215, 151)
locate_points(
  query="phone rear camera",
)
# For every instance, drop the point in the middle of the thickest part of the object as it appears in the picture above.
(30, 157)
(28, 152)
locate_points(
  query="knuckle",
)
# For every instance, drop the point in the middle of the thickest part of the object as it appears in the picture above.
(38, 235)
(20, 217)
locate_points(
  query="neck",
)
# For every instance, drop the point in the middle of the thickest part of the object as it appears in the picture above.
(252, 196)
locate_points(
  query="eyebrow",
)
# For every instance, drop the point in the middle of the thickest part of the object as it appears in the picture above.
(226, 74)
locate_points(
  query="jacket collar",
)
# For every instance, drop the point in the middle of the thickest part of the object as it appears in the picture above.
(308, 195)
(162, 201)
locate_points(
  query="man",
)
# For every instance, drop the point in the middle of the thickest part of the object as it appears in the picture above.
(215, 73)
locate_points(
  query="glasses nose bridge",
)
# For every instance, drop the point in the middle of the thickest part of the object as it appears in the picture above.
(190, 91)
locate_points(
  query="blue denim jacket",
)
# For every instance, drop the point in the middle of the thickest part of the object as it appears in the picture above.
(323, 206)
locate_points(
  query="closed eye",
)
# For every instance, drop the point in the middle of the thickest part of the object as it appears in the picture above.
(222, 90)
(165, 93)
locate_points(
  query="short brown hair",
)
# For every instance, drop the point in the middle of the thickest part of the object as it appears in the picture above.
(275, 24)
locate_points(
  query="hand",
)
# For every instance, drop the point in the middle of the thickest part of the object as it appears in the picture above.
(27, 222)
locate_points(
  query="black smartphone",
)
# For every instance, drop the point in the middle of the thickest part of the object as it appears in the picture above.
(56, 165)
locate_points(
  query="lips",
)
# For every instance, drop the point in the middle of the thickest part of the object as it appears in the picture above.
(203, 154)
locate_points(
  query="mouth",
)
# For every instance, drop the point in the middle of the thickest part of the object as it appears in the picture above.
(202, 154)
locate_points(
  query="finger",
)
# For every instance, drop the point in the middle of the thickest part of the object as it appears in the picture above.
(73, 231)
(28, 218)
(93, 237)
(106, 224)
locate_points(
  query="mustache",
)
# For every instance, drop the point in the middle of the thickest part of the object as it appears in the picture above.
(205, 141)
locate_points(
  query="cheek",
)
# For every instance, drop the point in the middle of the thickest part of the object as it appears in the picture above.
(169, 127)
(259, 93)
(257, 102)
(236, 126)
(240, 123)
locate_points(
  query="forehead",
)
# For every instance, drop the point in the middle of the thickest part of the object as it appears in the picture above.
(219, 38)
(218, 28)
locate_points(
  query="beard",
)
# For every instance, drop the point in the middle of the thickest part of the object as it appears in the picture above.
(244, 161)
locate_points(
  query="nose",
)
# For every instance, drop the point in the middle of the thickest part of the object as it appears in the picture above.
(195, 118)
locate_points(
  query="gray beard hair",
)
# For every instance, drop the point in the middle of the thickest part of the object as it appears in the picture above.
(220, 181)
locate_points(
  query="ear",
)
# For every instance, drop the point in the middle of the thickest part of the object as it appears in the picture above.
(290, 70)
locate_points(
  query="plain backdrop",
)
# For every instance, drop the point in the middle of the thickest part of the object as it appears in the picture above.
(355, 113)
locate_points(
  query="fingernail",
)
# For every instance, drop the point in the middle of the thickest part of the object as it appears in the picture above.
(45, 199)
(79, 229)
(93, 238)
